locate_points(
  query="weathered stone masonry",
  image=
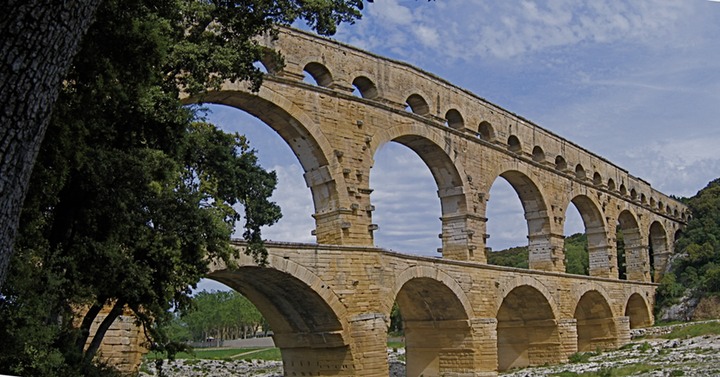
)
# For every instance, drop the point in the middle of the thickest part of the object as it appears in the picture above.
(329, 303)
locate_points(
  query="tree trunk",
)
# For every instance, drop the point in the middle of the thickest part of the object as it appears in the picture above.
(102, 329)
(86, 325)
(39, 40)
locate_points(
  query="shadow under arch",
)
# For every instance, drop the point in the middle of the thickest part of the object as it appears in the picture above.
(436, 326)
(595, 323)
(659, 250)
(527, 330)
(438, 158)
(541, 251)
(308, 326)
(636, 256)
(600, 263)
(298, 130)
(638, 311)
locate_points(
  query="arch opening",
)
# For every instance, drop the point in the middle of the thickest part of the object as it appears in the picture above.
(406, 206)
(319, 73)
(580, 172)
(527, 333)
(560, 163)
(597, 179)
(533, 213)
(417, 104)
(575, 245)
(658, 251)
(365, 87)
(485, 131)
(427, 305)
(611, 184)
(638, 312)
(600, 262)
(538, 155)
(305, 327)
(454, 119)
(630, 244)
(283, 145)
(514, 144)
(595, 323)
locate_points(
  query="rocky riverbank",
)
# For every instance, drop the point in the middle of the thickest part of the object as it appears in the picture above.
(696, 356)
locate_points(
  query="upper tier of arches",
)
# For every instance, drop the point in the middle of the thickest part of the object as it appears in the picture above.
(343, 68)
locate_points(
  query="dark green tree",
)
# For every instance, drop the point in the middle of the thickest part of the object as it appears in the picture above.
(133, 193)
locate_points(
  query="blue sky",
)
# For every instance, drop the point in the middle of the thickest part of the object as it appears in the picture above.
(637, 82)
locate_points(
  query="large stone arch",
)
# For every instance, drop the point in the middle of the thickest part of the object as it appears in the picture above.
(448, 173)
(602, 262)
(659, 250)
(595, 322)
(545, 245)
(638, 311)
(307, 318)
(436, 321)
(527, 329)
(636, 254)
(304, 137)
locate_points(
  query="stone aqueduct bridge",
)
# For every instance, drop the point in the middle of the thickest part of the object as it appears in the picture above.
(329, 304)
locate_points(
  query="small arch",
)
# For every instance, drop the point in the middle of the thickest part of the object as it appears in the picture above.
(623, 190)
(676, 213)
(580, 172)
(597, 179)
(660, 206)
(638, 312)
(486, 132)
(633, 194)
(652, 202)
(514, 144)
(417, 104)
(454, 119)
(525, 319)
(538, 155)
(319, 73)
(643, 199)
(611, 184)
(365, 87)
(560, 163)
(667, 209)
(595, 324)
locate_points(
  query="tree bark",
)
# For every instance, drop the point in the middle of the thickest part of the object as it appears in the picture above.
(87, 322)
(39, 40)
(101, 330)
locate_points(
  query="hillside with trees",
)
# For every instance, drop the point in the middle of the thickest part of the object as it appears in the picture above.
(576, 255)
(696, 269)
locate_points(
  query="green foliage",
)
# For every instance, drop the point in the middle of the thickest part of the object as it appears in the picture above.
(576, 255)
(396, 322)
(699, 244)
(221, 315)
(132, 194)
(512, 257)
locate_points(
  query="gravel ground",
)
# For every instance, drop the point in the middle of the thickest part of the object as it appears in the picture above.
(699, 356)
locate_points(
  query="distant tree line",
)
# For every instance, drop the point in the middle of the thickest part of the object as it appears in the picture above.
(576, 256)
(218, 315)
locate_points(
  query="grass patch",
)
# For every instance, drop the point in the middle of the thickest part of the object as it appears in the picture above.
(691, 331)
(396, 345)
